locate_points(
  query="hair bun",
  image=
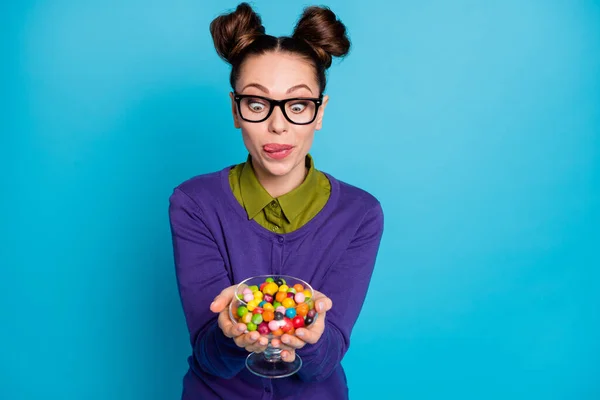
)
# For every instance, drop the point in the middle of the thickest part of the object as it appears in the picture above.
(321, 29)
(234, 32)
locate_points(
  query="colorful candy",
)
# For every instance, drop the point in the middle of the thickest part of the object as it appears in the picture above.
(275, 308)
(263, 328)
(298, 321)
(290, 312)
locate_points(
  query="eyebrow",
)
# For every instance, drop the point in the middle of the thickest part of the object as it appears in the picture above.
(264, 89)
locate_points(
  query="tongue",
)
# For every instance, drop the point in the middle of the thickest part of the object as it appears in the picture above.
(271, 148)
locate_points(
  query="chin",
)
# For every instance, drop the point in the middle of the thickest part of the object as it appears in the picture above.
(279, 170)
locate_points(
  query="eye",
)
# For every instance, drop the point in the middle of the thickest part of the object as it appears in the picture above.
(256, 106)
(298, 107)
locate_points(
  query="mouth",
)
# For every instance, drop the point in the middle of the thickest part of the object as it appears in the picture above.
(277, 151)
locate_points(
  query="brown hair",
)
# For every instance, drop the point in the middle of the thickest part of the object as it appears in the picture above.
(318, 37)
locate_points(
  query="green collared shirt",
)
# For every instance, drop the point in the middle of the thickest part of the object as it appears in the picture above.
(285, 213)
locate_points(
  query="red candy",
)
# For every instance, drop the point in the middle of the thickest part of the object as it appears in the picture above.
(257, 310)
(288, 325)
(298, 322)
(263, 328)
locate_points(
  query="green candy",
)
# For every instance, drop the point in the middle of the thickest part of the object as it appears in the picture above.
(257, 319)
(276, 304)
(269, 280)
(291, 290)
(251, 326)
(241, 311)
(253, 288)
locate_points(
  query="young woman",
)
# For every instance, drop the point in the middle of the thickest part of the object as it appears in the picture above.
(273, 214)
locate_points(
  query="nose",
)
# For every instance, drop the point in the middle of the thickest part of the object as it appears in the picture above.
(277, 121)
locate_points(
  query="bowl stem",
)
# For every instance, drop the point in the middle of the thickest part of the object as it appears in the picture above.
(272, 354)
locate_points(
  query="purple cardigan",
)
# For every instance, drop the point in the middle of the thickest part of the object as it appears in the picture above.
(216, 245)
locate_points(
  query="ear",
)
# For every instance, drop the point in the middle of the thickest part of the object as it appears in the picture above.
(234, 111)
(320, 113)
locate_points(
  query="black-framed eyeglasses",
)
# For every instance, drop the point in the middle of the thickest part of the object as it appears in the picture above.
(299, 110)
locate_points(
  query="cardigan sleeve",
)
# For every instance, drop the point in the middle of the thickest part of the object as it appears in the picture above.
(201, 275)
(346, 284)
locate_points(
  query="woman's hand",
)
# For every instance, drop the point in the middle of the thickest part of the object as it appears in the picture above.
(251, 341)
(311, 335)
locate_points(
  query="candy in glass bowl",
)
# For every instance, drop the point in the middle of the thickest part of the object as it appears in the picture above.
(273, 305)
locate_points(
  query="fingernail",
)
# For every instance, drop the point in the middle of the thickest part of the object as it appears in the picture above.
(300, 333)
(212, 304)
(321, 306)
(285, 340)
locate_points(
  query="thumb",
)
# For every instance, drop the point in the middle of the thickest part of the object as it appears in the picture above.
(222, 300)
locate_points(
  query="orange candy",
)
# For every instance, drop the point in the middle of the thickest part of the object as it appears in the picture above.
(299, 288)
(278, 332)
(302, 310)
(269, 316)
(281, 296)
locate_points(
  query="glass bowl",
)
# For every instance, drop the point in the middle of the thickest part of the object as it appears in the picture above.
(273, 305)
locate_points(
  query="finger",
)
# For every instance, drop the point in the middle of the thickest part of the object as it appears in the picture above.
(323, 304)
(247, 339)
(259, 346)
(288, 355)
(256, 349)
(228, 327)
(292, 341)
(310, 336)
(222, 300)
(279, 345)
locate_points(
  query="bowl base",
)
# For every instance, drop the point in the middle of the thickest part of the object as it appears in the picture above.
(259, 365)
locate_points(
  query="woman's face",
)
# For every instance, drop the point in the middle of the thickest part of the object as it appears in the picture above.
(277, 146)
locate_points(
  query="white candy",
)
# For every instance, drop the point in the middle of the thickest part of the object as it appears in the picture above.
(299, 297)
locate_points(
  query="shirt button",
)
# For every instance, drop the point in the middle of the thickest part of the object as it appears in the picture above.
(275, 228)
(280, 239)
(273, 204)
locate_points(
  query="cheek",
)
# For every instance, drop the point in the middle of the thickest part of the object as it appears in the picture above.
(252, 134)
(306, 136)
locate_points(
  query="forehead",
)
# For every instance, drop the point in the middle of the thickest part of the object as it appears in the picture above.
(277, 72)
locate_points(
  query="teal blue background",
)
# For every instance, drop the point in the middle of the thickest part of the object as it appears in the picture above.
(477, 125)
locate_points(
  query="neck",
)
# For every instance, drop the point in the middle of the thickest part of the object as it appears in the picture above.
(279, 185)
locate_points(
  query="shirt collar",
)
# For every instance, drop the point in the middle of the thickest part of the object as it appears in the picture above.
(294, 202)
(255, 198)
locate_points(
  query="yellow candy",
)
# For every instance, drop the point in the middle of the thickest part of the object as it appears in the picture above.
(247, 318)
(258, 295)
(287, 303)
(268, 307)
(307, 293)
(252, 304)
(283, 288)
(270, 288)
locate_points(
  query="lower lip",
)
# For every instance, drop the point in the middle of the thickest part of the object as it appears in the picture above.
(279, 155)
